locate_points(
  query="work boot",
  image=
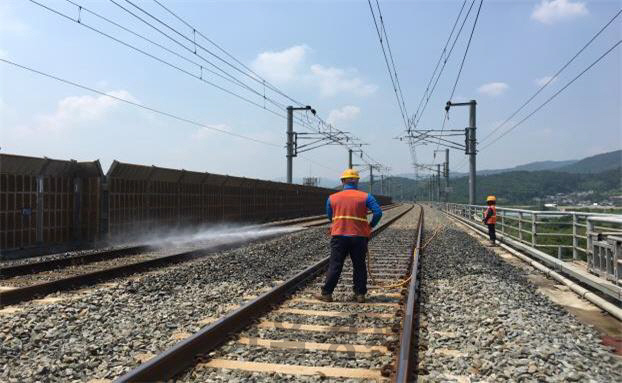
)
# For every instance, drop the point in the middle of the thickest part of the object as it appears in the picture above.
(323, 297)
(360, 298)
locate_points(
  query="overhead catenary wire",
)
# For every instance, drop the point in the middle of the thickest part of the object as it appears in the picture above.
(466, 50)
(253, 75)
(164, 61)
(453, 45)
(552, 78)
(386, 39)
(554, 95)
(438, 62)
(137, 105)
(332, 133)
(154, 57)
(546, 84)
(270, 86)
(453, 90)
(386, 60)
(260, 81)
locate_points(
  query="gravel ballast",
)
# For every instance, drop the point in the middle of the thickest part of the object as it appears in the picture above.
(111, 329)
(483, 320)
(396, 240)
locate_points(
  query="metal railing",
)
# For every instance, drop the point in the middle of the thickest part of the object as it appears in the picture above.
(604, 257)
(595, 238)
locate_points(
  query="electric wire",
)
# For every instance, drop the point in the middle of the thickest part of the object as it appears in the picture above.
(550, 80)
(386, 60)
(193, 41)
(386, 37)
(466, 51)
(438, 62)
(154, 57)
(298, 119)
(135, 104)
(274, 88)
(453, 90)
(554, 95)
(453, 45)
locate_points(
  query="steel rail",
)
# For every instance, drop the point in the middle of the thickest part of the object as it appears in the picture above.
(58, 263)
(96, 256)
(406, 361)
(182, 355)
(22, 294)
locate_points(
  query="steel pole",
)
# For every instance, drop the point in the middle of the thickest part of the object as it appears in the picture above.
(446, 175)
(290, 142)
(371, 179)
(349, 158)
(472, 152)
(438, 182)
(382, 184)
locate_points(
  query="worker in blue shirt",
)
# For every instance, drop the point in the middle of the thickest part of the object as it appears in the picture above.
(350, 231)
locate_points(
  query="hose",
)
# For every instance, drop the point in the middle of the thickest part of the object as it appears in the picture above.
(402, 282)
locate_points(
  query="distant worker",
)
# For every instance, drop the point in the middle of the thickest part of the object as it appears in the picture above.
(490, 218)
(350, 232)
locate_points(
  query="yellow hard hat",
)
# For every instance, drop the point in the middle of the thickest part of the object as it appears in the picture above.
(350, 173)
(491, 198)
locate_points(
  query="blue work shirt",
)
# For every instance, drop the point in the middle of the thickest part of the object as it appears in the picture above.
(371, 204)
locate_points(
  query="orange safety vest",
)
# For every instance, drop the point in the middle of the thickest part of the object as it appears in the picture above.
(493, 218)
(349, 213)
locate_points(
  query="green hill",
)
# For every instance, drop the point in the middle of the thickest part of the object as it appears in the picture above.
(595, 164)
(513, 188)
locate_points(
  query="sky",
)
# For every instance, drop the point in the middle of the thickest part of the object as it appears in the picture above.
(322, 53)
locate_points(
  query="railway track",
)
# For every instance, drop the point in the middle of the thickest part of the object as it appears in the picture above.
(285, 333)
(28, 281)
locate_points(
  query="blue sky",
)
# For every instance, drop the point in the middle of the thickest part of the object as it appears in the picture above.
(324, 53)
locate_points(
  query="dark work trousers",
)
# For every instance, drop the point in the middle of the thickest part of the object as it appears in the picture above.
(340, 246)
(492, 234)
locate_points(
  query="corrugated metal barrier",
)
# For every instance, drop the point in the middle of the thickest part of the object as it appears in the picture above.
(46, 202)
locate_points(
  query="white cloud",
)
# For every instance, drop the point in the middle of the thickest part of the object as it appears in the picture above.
(347, 113)
(493, 89)
(73, 111)
(280, 66)
(288, 66)
(333, 80)
(552, 11)
(543, 80)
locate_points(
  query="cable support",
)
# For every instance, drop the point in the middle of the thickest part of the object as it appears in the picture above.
(260, 80)
(466, 51)
(298, 119)
(550, 80)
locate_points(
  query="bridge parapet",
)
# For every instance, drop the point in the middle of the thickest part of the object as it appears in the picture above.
(587, 246)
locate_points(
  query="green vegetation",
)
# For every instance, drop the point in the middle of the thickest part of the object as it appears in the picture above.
(512, 188)
(523, 187)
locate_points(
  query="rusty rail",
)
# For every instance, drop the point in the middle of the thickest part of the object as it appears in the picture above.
(406, 360)
(182, 355)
